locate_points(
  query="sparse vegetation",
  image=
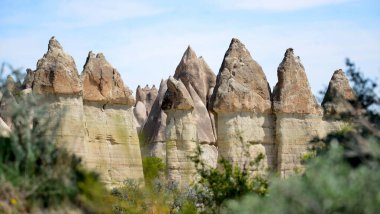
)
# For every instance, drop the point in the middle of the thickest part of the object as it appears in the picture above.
(35, 173)
(342, 175)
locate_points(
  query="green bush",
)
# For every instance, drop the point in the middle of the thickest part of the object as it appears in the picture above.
(153, 168)
(329, 185)
(216, 186)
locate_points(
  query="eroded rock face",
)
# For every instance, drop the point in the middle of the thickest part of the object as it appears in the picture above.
(147, 96)
(56, 72)
(57, 81)
(292, 93)
(140, 115)
(153, 134)
(338, 95)
(102, 83)
(177, 97)
(241, 83)
(194, 71)
(181, 132)
(97, 123)
(299, 117)
(29, 79)
(242, 102)
(112, 146)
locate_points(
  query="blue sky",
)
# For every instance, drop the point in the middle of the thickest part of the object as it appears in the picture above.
(145, 39)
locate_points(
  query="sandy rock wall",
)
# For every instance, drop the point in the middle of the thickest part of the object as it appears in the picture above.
(181, 132)
(97, 123)
(153, 136)
(242, 102)
(112, 143)
(233, 115)
(298, 115)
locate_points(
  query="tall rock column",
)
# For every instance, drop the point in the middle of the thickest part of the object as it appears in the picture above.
(181, 132)
(199, 80)
(111, 137)
(242, 102)
(336, 103)
(145, 98)
(153, 135)
(57, 81)
(298, 115)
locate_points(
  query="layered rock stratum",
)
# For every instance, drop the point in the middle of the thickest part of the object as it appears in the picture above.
(111, 138)
(242, 102)
(298, 115)
(181, 132)
(97, 122)
(233, 115)
(153, 136)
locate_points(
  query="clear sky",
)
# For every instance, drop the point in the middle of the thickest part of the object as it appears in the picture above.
(145, 39)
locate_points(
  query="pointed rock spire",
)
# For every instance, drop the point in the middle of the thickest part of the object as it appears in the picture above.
(103, 83)
(154, 128)
(56, 72)
(177, 97)
(140, 94)
(338, 94)
(28, 80)
(54, 45)
(194, 71)
(292, 93)
(241, 84)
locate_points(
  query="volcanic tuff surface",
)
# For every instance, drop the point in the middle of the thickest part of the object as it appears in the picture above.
(153, 135)
(241, 83)
(102, 120)
(241, 100)
(56, 72)
(98, 123)
(292, 93)
(338, 95)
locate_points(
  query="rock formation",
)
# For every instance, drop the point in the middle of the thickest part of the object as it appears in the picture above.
(112, 143)
(101, 119)
(97, 123)
(298, 115)
(153, 135)
(57, 81)
(29, 79)
(242, 102)
(189, 123)
(336, 103)
(194, 71)
(145, 98)
(338, 95)
(198, 80)
(181, 132)
(56, 73)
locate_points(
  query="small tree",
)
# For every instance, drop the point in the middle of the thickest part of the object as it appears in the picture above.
(216, 186)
